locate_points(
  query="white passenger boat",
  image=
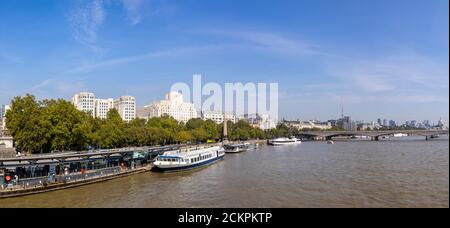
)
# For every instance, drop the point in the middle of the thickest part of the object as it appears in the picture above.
(284, 141)
(189, 158)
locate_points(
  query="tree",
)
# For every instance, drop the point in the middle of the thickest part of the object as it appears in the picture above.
(64, 119)
(200, 135)
(26, 125)
(112, 131)
(193, 124)
(85, 132)
(210, 127)
(136, 133)
(184, 137)
(49, 125)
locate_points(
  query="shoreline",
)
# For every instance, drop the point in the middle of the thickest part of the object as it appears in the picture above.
(61, 186)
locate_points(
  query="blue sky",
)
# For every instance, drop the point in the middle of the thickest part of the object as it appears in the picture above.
(383, 58)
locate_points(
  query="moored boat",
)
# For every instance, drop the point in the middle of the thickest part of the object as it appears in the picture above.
(284, 141)
(239, 147)
(189, 158)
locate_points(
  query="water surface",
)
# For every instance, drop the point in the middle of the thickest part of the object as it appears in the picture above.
(410, 172)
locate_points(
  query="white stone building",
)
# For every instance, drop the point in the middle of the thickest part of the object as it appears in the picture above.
(173, 106)
(3, 110)
(263, 122)
(85, 102)
(218, 117)
(267, 123)
(143, 112)
(126, 106)
(99, 108)
(305, 125)
(102, 107)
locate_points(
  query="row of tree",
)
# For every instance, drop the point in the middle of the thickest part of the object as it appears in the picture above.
(56, 125)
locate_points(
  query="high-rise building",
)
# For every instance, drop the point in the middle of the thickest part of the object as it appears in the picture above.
(347, 123)
(440, 124)
(99, 108)
(426, 124)
(85, 102)
(333, 123)
(385, 123)
(173, 106)
(392, 123)
(102, 107)
(379, 122)
(126, 106)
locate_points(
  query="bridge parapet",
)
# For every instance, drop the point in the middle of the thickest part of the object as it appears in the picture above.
(375, 134)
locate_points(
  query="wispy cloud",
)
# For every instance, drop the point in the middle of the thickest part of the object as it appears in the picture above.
(133, 9)
(149, 55)
(268, 41)
(49, 82)
(42, 84)
(397, 78)
(392, 73)
(87, 16)
(85, 19)
(388, 98)
(60, 87)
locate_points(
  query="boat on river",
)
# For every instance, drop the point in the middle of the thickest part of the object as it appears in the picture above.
(239, 147)
(236, 148)
(284, 141)
(188, 158)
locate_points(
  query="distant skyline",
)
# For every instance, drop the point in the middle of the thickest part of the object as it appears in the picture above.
(384, 59)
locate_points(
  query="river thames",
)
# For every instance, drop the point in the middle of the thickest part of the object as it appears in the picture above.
(408, 172)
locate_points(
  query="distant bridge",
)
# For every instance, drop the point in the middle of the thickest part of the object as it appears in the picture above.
(374, 135)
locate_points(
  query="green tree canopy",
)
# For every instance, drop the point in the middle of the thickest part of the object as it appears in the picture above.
(56, 125)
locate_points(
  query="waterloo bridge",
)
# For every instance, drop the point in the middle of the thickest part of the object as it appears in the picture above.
(373, 135)
(6, 141)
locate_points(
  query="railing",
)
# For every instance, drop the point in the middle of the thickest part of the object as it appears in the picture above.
(4, 133)
(189, 148)
(62, 179)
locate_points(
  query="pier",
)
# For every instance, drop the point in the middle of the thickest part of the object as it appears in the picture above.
(34, 174)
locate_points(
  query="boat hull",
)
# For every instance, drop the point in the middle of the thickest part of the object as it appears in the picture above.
(284, 143)
(235, 152)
